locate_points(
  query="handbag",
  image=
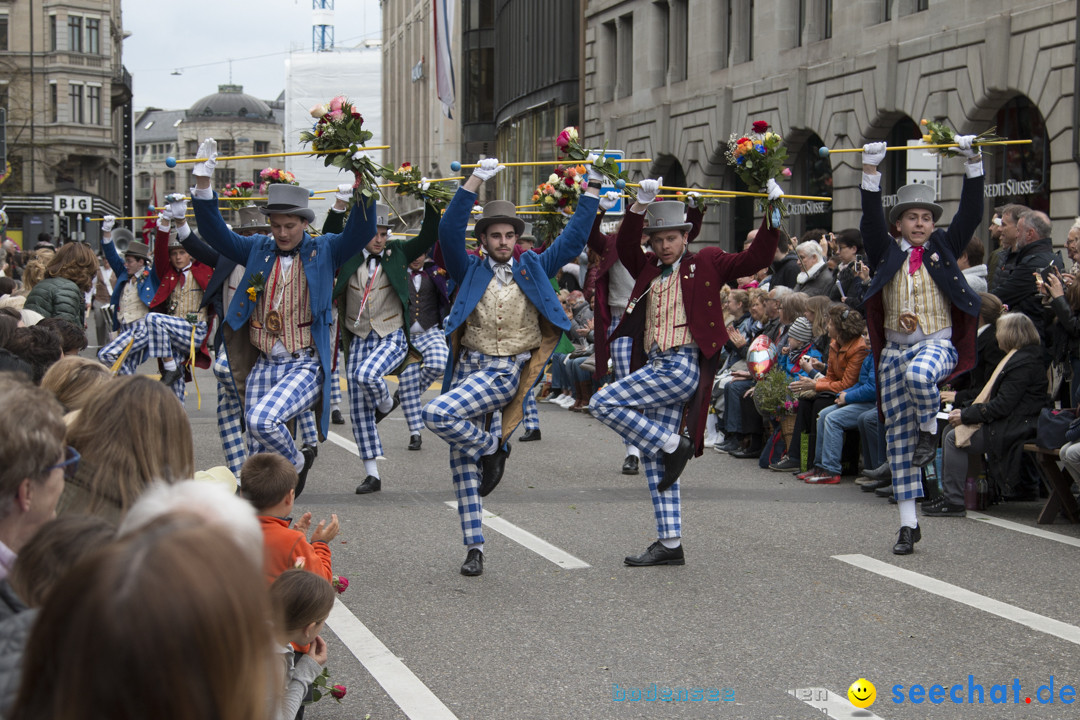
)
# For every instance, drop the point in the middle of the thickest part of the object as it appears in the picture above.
(1053, 428)
(963, 434)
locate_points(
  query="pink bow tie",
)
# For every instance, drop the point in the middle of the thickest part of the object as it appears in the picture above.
(915, 261)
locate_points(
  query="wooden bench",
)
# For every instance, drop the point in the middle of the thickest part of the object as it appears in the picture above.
(1061, 499)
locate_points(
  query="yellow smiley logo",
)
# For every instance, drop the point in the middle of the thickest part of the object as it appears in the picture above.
(862, 693)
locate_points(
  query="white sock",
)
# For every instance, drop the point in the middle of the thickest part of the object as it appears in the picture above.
(170, 364)
(671, 543)
(371, 467)
(671, 443)
(386, 405)
(929, 426)
(907, 513)
(634, 451)
(475, 546)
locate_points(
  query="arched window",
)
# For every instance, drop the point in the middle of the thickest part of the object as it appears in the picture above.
(1019, 173)
(811, 175)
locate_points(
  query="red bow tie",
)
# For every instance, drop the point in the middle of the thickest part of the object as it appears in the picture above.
(915, 261)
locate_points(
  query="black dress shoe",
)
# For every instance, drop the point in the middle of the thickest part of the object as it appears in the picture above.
(415, 441)
(882, 483)
(732, 443)
(474, 563)
(531, 435)
(379, 415)
(309, 453)
(926, 450)
(884, 490)
(674, 462)
(751, 451)
(491, 469)
(881, 472)
(336, 418)
(905, 543)
(171, 376)
(657, 554)
(371, 484)
(630, 465)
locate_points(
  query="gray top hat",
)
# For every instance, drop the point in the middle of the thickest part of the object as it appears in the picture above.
(499, 211)
(527, 232)
(667, 215)
(382, 215)
(251, 220)
(288, 200)
(914, 197)
(137, 249)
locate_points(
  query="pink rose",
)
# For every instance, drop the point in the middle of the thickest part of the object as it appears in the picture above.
(786, 172)
(563, 141)
(340, 583)
(336, 103)
(336, 115)
(338, 691)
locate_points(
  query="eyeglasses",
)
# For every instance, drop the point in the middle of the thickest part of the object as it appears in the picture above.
(70, 464)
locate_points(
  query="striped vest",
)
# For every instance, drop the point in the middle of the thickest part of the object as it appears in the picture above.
(916, 294)
(186, 298)
(382, 313)
(665, 323)
(289, 293)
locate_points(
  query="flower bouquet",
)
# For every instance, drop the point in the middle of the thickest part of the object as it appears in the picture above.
(408, 179)
(703, 201)
(340, 583)
(558, 195)
(273, 176)
(758, 157)
(938, 133)
(339, 126)
(772, 397)
(568, 146)
(236, 194)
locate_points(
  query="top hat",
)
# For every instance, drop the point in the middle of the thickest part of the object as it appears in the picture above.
(499, 211)
(527, 233)
(288, 200)
(916, 196)
(666, 215)
(251, 220)
(174, 241)
(382, 215)
(137, 249)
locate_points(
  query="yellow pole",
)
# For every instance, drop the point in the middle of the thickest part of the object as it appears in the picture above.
(281, 154)
(739, 193)
(560, 162)
(933, 147)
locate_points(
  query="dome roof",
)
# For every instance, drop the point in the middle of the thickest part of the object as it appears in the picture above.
(231, 102)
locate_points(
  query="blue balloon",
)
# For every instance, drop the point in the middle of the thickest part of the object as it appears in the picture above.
(170, 161)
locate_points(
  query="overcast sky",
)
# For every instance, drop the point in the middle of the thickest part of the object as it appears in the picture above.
(198, 37)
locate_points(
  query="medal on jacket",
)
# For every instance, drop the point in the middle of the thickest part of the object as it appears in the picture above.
(273, 322)
(272, 319)
(909, 321)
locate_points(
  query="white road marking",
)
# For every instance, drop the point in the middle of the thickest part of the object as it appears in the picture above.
(1032, 620)
(831, 705)
(347, 443)
(1018, 527)
(411, 695)
(523, 537)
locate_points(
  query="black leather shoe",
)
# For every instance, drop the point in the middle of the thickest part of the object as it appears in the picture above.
(336, 418)
(732, 443)
(750, 451)
(926, 450)
(884, 490)
(657, 554)
(371, 484)
(630, 465)
(531, 435)
(474, 563)
(415, 441)
(491, 469)
(171, 376)
(309, 453)
(905, 543)
(674, 463)
(881, 472)
(379, 415)
(882, 483)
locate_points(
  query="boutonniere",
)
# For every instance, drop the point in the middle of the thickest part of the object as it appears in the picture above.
(693, 267)
(313, 253)
(388, 251)
(256, 283)
(935, 257)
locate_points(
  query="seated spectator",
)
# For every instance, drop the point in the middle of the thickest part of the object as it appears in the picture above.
(1063, 334)
(132, 433)
(302, 603)
(1004, 416)
(971, 263)
(53, 550)
(817, 312)
(68, 277)
(987, 354)
(268, 481)
(1072, 247)
(74, 380)
(843, 414)
(72, 339)
(172, 623)
(8, 285)
(38, 347)
(849, 251)
(876, 472)
(816, 278)
(1015, 282)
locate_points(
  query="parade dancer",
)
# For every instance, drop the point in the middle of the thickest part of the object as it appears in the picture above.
(675, 321)
(136, 286)
(613, 287)
(504, 325)
(428, 307)
(278, 323)
(921, 314)
(372, 292)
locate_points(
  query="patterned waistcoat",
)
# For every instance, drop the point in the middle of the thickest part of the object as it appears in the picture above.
(917, 294)
(289, 292)
(503, 323)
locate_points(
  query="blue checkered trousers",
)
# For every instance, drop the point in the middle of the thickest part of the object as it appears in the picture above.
(482, 384)
(135, 333)
(418, 377)
(170, 337)
(620, 350)
(229, 410)
(279, 389)
(530, 413)
(908, 378)
(644, 407)
(371, 358)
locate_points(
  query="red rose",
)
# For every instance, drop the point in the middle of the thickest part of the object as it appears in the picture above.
(564, 201)
(760, 126)
(340, 583)
(338, 691)
(742, 140)
(406, 164)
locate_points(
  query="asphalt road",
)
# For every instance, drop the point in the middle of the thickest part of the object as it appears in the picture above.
(790, 593)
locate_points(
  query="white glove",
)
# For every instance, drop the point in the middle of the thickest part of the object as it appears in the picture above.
(424, 184)
(594, 174)
(692, 199)
(108, 223)
(344, 193)
(177, 205)
(965, 146)
(774, 190)
(873, 153)
(648, 189)
(487, 169)
(609, 200)
(163, 220)
(207, 150)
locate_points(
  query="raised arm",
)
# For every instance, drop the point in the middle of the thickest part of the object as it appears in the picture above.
(198, 249)
(874, 229)
(108, 248)
(204, 201)
(452, 233)
(427, 237)
(161, 246)
(572, 239)
(759, 255)
(358, 232)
